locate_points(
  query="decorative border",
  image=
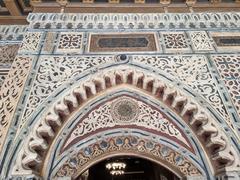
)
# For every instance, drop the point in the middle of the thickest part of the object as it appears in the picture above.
(11, 91)
(120, 145)
(12, 32)
(134, 20)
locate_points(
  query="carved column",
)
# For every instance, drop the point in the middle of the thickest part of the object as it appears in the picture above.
(84, 175)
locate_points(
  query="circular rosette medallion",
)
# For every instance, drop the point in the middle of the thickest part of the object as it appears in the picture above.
(124, 110)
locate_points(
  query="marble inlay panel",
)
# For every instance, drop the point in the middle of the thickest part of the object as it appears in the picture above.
(226, 41)
(70, 42)
(122, 42)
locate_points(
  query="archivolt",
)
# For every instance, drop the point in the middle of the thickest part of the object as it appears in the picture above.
(34, 150)
(78, 162)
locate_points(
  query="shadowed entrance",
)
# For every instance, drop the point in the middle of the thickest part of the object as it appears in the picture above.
(135, 169)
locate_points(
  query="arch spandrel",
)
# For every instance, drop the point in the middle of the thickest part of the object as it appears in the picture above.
(189, 110)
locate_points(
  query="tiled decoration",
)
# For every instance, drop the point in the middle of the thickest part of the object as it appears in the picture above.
(175, 42)
(31, 42)
(200, 41)
(70, 42)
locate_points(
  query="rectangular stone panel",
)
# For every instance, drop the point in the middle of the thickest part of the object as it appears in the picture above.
(226, 41)
(70, 42)
(175, 42)
(122, 42)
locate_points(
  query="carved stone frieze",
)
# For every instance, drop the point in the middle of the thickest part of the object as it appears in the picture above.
(136, 21)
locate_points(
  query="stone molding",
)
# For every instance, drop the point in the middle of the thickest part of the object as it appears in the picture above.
(134, 21)
(32, 154)
(12, 32)
(78, 161)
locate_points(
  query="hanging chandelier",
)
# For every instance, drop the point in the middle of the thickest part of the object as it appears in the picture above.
(116, 168)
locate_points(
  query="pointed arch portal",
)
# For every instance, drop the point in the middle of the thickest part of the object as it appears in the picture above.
(87, 88)
(78, 121)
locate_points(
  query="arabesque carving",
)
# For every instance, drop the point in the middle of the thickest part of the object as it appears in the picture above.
(32, 154)
(11, 91)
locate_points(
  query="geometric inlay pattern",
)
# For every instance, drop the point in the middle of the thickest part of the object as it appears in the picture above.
(70, 42)
(229, 69)
(200, 41)
(192, 71)
(125, 144)
(125, 110)
(31, 42)
(134, 113)
(175, 41)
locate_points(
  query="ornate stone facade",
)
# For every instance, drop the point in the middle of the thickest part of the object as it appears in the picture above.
(153, 84)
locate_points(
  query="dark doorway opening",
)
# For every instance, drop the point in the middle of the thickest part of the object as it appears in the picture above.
(135, 169)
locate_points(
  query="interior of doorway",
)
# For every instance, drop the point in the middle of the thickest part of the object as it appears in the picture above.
(135, 169)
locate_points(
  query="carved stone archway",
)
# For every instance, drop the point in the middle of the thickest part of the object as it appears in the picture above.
(215, 142)
(120, 111)
(128, 146)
